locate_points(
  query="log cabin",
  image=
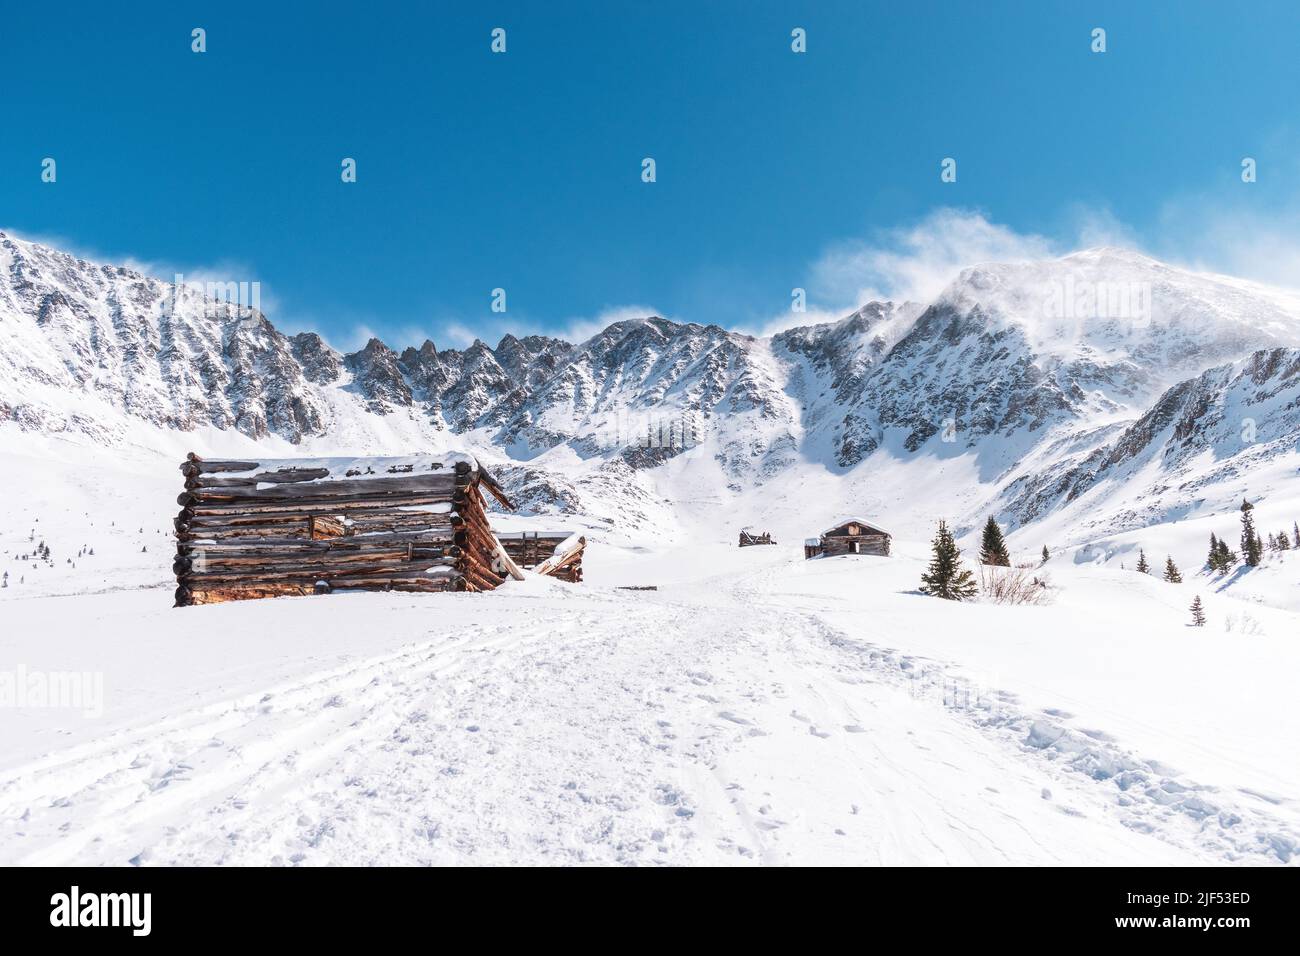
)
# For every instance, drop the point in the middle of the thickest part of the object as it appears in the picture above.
(557, 553)
(253, 529)
(852, 536)
(748, 540)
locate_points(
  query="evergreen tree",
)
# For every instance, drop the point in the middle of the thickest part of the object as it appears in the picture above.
(1272, 541)
(1226, 557)
(1212, 560)
(946, 578)
(1251, 547)
(1198, 612)
(1142, 565)
(994, 548)
(1047, 555)
(1283, 542)
(1171, 571)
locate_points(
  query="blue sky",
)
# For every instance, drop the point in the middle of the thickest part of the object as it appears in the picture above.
(522, 170)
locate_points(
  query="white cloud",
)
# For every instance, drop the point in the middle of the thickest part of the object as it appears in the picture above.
(915, 263)
(906, 264)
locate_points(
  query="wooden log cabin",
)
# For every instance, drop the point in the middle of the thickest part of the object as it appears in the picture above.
(749, 540)
(557, 553)
(853, 536)
(252, 529)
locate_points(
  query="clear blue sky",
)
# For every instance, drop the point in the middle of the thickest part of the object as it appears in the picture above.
(522, 170)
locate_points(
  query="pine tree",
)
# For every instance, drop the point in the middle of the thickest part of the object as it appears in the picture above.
(1226, 557)
(1251, 547)
(994, 548)
(1212, 560)
(1047, 555)
(1198, 612)
(1171, 571)
(1272, 541)
(946, 578)
(1283, 542)
(1142, 565)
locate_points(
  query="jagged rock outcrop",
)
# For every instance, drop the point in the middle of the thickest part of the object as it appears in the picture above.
(1054, 376)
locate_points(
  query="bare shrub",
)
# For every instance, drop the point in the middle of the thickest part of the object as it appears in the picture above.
(1013, 586)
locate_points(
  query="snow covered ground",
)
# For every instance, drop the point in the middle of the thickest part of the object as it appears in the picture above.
(768, 710)
(756, 708)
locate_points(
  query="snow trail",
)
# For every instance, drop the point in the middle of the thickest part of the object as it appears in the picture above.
(684, 728)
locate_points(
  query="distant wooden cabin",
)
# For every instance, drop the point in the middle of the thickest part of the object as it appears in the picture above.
(556, 553)
(748, 540)
(854, 536)
(252, 529)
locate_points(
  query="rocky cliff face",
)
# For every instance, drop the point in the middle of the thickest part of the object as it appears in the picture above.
(1054, 376)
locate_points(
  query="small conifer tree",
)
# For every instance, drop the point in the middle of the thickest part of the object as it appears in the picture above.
(1142, 565)
(1171, 571)
(994, 547)
(1252, 548)
(1227, 557)
(1198, 612)
(946, 578)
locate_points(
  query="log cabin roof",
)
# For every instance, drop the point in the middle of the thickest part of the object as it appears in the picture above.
(352, 469)
(868, 527)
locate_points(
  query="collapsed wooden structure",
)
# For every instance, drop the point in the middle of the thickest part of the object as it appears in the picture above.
(556, 553)
(749, 540)
(252, 529)
(853, 536)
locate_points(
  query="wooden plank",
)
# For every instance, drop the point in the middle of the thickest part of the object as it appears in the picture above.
(283, 476)
(438, 483)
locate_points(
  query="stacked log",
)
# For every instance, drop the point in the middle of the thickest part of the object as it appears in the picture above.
(565, 562)
(251, 529)
(748, 540)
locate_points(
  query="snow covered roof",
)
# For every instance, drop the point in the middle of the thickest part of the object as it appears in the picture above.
(344, 468)
(865, 524)
(270, 472)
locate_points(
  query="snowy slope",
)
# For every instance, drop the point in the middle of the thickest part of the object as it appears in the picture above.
(767, 710)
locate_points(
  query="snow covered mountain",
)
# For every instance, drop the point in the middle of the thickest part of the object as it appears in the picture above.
(1103, 377)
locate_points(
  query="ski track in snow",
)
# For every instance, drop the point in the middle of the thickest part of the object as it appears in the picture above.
(718, 729)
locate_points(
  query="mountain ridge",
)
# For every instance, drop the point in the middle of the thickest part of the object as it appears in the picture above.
(1031, 370)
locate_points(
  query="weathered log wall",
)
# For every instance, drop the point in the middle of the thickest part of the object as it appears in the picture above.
(251, 529)
(856, 544)
(749, 540)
